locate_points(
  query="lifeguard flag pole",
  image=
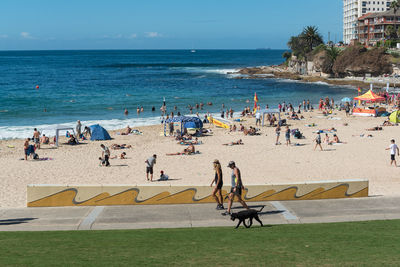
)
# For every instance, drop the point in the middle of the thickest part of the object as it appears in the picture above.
(255, 102)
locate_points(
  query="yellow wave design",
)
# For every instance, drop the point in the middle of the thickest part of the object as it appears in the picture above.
(67, 197)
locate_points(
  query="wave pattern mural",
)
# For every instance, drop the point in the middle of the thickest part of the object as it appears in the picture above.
(103, 195)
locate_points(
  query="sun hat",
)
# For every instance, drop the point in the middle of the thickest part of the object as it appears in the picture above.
(231, 163)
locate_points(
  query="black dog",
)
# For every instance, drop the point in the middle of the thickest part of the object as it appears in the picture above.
(247, 214)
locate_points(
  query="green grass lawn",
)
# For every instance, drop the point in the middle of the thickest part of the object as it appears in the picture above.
(373, 243)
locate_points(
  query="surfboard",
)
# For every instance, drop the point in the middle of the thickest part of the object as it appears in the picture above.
(219, 122)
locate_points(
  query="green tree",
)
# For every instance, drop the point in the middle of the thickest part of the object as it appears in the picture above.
(390, 32)
(332, 53)
(305, 42)
(312, 37)
(395, 6)
(287, 55)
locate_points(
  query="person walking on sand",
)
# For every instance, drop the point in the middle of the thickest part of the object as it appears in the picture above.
(258, 118)
(105, 155)
(287, 136)
(278, 133)
(149, 166)
(236, 189)
(318, 141)
(36, 138)
(26, 148)
(216, 193)
(393, 149)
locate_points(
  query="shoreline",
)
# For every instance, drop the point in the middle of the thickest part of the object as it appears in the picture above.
(278, 72)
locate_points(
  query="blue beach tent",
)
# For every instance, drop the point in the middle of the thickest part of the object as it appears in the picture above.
(99, 133)
(186, 122)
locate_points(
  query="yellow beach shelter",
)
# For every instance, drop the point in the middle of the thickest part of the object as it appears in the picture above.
(395, 117)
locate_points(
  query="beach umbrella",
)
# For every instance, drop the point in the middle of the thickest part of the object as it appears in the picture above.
(346, 99)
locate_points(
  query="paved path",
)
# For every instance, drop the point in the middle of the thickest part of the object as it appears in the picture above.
(195, 215)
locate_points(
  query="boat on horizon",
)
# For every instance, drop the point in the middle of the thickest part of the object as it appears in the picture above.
(192, 51)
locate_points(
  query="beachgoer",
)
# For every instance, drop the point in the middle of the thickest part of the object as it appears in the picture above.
(127, 131)
(141, 109)
(44, 139)
(87, 132)
(258, 118)
(149, 166)
(36, 137)
(78, 129)
(105, 154)
(216, 193)
(277, 133)
(238, 142)
(287, 135)
(326, 139)
(393, 149)
(26, 148)
(122, 156)
(138, 110)
(347, 108)
(126, 112)
(163, 177)
(236, 189)
(318, 141)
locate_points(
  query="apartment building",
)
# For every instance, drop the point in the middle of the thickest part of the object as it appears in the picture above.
(354, 9)
(372, 26)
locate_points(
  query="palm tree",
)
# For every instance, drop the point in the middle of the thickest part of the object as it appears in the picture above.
(390, 32)
(394, 5)
(312, 37)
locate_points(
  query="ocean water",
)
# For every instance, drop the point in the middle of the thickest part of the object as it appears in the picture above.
(96, 86)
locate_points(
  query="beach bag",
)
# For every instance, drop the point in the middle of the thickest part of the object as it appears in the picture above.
(35, 156)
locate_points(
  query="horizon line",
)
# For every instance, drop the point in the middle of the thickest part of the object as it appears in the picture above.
(138, 49)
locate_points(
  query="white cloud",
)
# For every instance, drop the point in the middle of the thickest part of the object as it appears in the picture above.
(152, 34)
(3, 36)
(132, 36)
(26, 35)
(120, 36)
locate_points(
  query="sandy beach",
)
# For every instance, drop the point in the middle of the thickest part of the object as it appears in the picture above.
(260, 160)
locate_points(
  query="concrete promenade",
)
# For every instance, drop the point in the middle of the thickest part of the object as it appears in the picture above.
(195, 215)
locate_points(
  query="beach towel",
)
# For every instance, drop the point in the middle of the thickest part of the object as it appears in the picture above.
(10, 146)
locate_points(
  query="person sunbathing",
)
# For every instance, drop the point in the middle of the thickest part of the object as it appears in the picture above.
(376, 128)
(238, 142)
(187, 151)
(123, 146)
(387, 123)
(195, 142)
(122, 156)
(126, 131)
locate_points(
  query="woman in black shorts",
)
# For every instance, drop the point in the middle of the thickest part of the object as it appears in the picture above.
(218, 185)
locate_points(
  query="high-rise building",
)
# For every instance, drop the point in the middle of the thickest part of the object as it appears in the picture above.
(353, 9)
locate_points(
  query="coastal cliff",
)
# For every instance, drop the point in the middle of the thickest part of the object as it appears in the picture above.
(350, 67)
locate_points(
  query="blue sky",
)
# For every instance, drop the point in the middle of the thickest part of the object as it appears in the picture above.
(162, 24)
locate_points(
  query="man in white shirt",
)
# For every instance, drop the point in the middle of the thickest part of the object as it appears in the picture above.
(149, 167)
(258, 118)
(393, 149)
